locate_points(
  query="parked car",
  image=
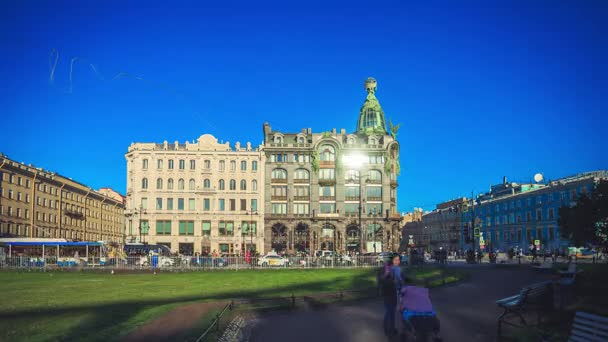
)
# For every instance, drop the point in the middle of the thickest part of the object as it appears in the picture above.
(273, 260)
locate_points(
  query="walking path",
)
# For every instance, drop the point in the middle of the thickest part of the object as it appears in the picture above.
(467, 312)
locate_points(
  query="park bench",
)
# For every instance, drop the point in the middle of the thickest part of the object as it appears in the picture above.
(536, 297)
(589, 328)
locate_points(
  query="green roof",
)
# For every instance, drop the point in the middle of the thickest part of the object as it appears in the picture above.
(371, 116)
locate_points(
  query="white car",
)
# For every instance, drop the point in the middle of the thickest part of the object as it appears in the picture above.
(273, 260)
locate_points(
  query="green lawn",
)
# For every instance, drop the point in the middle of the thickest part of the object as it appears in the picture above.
(40, 306)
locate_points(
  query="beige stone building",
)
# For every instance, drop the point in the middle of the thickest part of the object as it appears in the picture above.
(196, 197)
(38, 203)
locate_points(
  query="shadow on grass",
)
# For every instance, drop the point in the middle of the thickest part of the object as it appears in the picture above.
(113, 321)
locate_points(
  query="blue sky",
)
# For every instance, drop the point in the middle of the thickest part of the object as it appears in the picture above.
(482, 88)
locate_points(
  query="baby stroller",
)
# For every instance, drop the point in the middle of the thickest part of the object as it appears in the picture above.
(420, 322)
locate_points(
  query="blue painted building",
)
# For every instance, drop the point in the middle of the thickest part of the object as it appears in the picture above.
(514, 215)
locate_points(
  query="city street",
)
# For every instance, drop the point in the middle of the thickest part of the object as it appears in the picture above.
(467, 312)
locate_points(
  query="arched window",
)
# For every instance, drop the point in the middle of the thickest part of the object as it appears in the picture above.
(191, 184)
(327, 153)
(279, 174)
(301, 176)
(243, 184)
(243, 165)
(370, 118)
(254, 185)
(351, 176)
(180, 184)
(222, 165)
(232, 165)
(232, 184)
(221, 184)
(375, 176)
(206, 184)
(170, 184)
(144, 183)
(159, 184)
(372, 141)
(278, 139)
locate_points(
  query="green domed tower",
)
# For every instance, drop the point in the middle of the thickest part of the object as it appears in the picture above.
(371, 117)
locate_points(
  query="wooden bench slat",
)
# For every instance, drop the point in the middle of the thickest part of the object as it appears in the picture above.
(591, 317)
(590, 329)
(601, 327)
(576, 339)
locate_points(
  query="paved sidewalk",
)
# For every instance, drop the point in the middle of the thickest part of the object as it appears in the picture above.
(467, 312)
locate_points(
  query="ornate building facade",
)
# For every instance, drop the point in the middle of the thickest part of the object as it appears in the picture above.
(195, 197)
(333, 190)
(36, 203)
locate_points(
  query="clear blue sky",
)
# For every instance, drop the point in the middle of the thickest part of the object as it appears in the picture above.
(482, 88)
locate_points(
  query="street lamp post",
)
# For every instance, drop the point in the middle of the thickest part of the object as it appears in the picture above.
(356, 161)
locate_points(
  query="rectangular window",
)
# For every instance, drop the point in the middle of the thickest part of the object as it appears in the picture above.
(328, 208)
(351, 208)
(528, 217)
(130, 227)
(221, 204)
(551, 214)
(206, 228)
(278, 193)
(243, 165)
(163, 227)
(191, 204)
(254, 205)
(225, 248)
(186, 227)
(144, 203)
(159, 164)
(159, 203)
(243, 204)
(374, 193)
(170, 164)
(193, 165)
(144, 165)
(169, 203)
(206, 204)
(279, 208)
(180, 204)
(143, 224)
(327, 174)
(374, 208)
(254, 165)
(351, 193)
(539, 215)
(182, 164)
(248, 228)
(232, 204)
(327, 192)
(301, 208)
(226, 228)
(207, 164)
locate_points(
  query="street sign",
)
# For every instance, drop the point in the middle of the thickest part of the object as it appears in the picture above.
(537, 242)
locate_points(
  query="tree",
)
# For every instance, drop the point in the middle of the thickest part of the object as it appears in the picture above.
(587, 221)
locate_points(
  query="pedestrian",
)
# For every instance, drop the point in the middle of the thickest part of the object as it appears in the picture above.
(389, 292)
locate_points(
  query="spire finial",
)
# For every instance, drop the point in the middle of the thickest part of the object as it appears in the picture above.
(370, 85)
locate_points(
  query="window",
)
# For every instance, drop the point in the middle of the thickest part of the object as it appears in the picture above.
(144, 203)
(301, 208)
(518, 218)
(374, 208)
(191, 204)
(248, 228)
(551, 214)
(27, 183)
(206, 228)
(193, 165)
(206, 204)
(206, 184)
(159, 203)
(243, 165)
(528, 217)
(226, 228)
(10, 194)
(327, 174)
(169, 203)
(254, 185)
(145, 227)
(159, 184)
(232, 204)
(327, 153)
(279, 174)
(279, 208)
(163, 227)
(144, 164)
(159, 164)
(232, 184)
(232, 165)
(207, 164)
(278, 192)
(254, 165)
(327, 208)
(254, 205)
(144, 183)
(180, 204)
(180, 184)
(351, 176)
(222, 165)
(222, 186)
(374, 193)
(538, 215)
(375, 176)
(191, 184)
(243, 204)
(186, 227)
(170, 184)
(182, 164)
(351, 193)
(243, 184)
(351, 208)
(327, 192)
(170, 164)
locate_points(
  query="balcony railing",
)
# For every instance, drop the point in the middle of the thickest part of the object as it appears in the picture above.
(394, 182)
(376, 199)
(327, 181)
(352, 198)
(301, 198)
(279, 180)
(327, 163)
(327, 198)
(278, 198)
(301, 181)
